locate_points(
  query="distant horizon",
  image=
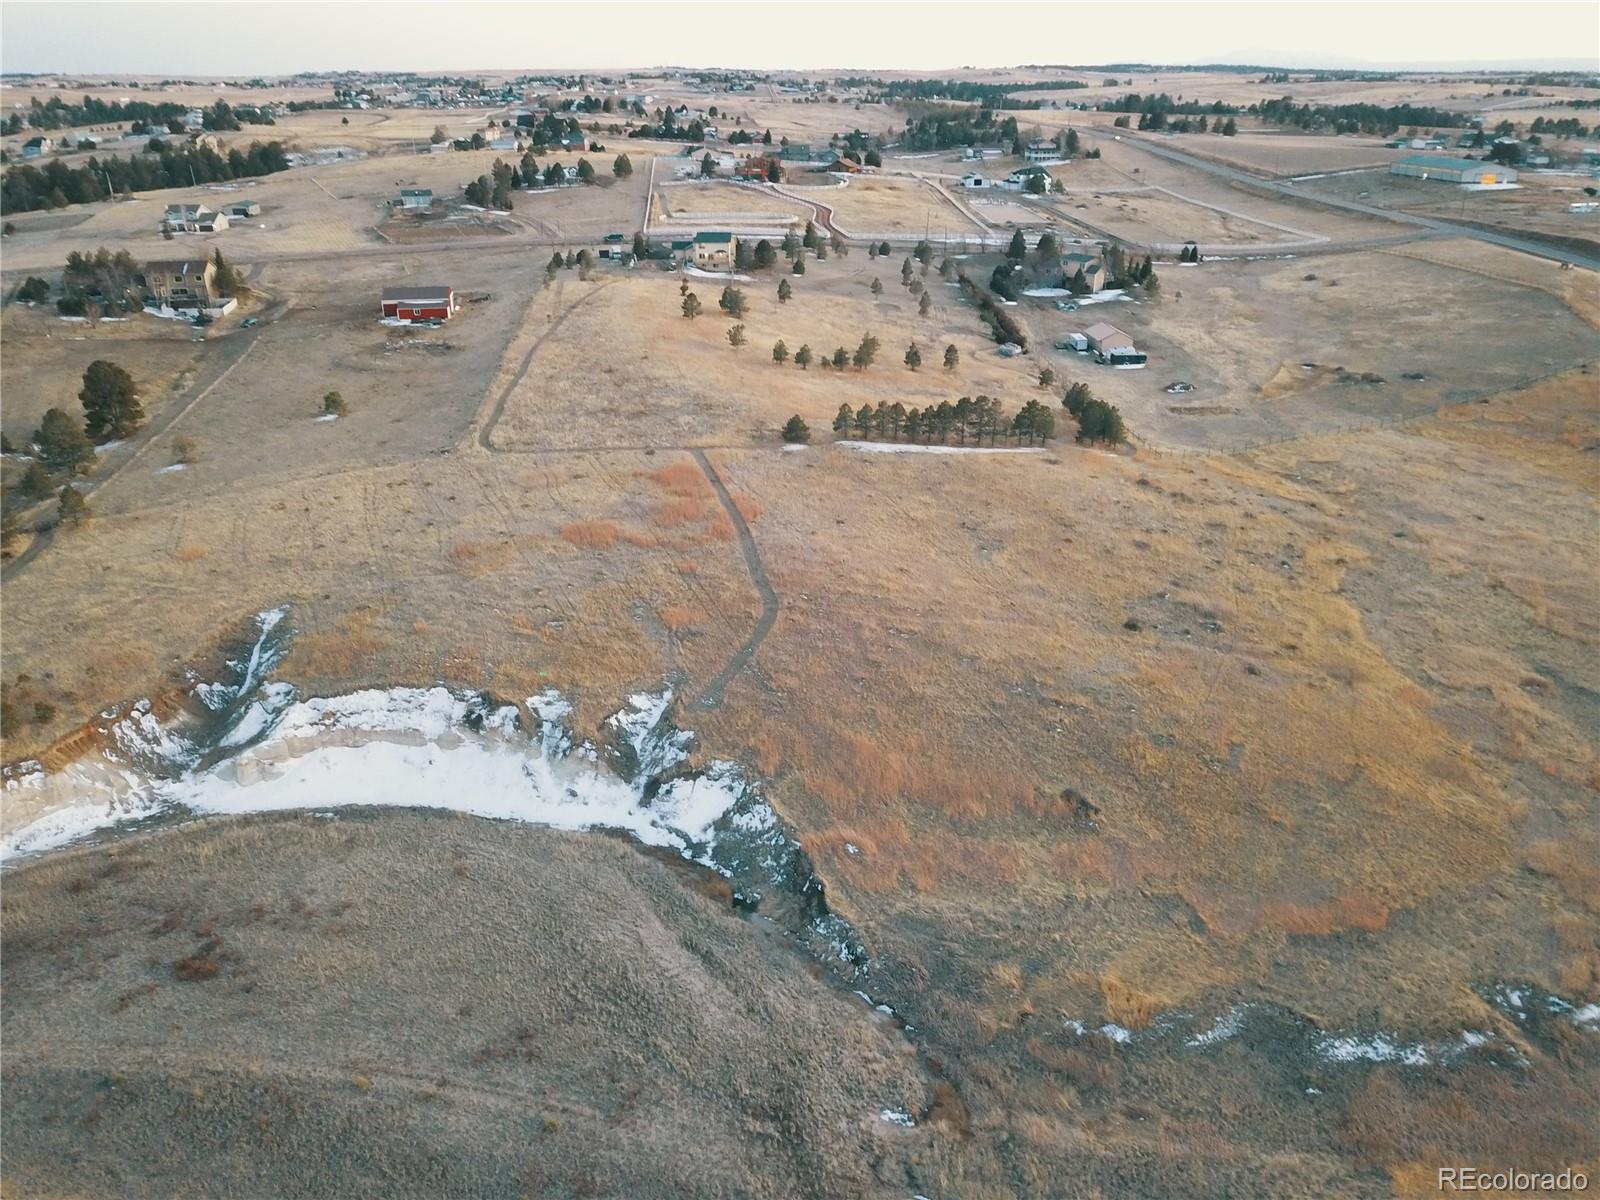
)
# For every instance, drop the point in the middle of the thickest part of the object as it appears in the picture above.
(163, 39)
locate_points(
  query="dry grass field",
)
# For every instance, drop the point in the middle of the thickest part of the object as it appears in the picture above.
(1069, 736)
(1161, 218)
(684, 384)
(892, 206)
(1262, 342)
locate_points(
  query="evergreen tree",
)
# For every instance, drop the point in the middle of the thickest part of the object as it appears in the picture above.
(923, 253)
(554, 175)
(883, 249)
(843, 419)
(585, 171)
(864, 419)
(947, 268)
(780, 352)
(905, 273)
(1048, 249)
(556, 262)
(802, 356)
(622, 168)
(708, 166)
(774, 171)
(784, 291)
(1047, 376)
(110, 401)
(691, 306)
(72, 508)
(34, 290)
(952, 357)
(812, 239)
(872, 250)
(913, 356)
(641, 248)
(732, 301)
(925, 305)
(1018, 249)
(63, 446)
(799, 266)
(1078, 285)
(1076, 397)
(36, 484)
(841, 359)
(744, 256)
(736, 336)
(1229, 128)
(877, 286)
(914, 424)
(765, 254)
(796, 432)
(865, 352)
(335, 404)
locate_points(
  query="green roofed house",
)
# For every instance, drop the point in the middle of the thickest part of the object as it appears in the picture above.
(715, 250)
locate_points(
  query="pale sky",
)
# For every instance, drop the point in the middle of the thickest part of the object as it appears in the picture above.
(276, 37)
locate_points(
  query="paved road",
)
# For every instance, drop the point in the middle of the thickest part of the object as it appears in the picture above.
(1509, 241)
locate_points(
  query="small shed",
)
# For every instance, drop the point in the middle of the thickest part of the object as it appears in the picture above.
(415, 198)
(243, 208)
(1103, 338)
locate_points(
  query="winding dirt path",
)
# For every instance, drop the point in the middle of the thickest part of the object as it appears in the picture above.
(711, 697)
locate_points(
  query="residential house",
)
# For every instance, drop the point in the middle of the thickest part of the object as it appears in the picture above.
(419, 302)
(36, 147)
(182, 283)
(974, 180)
(1017, 181)
(193, 218)
(843, 166)
(242, 208)
(1093, 268)
(1041, 150)
(796, 152)
(412, 199)
(715, 250)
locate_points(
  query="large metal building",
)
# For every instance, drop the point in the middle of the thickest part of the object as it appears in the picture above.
(1453, 170)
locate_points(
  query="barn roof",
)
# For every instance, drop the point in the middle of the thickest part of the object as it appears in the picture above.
(437, 291)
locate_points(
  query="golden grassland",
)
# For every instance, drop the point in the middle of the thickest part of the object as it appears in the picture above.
(1109, 735)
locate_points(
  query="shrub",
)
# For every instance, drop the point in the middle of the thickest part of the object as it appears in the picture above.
(796, 431)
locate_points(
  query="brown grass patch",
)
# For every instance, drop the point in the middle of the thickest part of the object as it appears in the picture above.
(1575, 866)
(592, 535)
(340, 653)
(190, 552)
(681, 511)
(678, 617)
(682, 479)
(749, 507)
(722, 529)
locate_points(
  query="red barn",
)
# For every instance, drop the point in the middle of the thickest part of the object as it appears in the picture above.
(431, 302)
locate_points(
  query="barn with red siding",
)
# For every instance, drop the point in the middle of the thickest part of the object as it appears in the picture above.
(432, 302)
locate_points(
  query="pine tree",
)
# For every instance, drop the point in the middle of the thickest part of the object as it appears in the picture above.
(802, 356)
(229, 281)
(952, 357)
(923, 253)
(905, 273)
(765, 254)
(335, 404)
(36, 483)
(62, 443)
(914, 424)
(799, 266)
(585, 171)
(841, 359)
(1075, 398)
(913, 356)
(1018, 249)
(72, 508)
(784, 291)
(641, 248)
(736, 336)
(925, 305)
(866, 352)
(877, 286)
(1047, 376)
(883, 250)
(110, 401)
(796, 432)
(791, 244)
(622, 168)
(864, 419)
(691, 306)
(732, 301)
(780, 352)
(811, 240)
(843, 419)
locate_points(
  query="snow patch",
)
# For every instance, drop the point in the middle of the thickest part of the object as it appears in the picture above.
(175, 467)
(909, 448)
(698, 273)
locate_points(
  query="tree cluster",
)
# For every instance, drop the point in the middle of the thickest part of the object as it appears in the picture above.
(967, 421)
(27, 188)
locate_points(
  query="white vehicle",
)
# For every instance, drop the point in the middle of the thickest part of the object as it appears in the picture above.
(1073, 341)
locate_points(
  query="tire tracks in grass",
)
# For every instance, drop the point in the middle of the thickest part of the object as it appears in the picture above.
(711, 696)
